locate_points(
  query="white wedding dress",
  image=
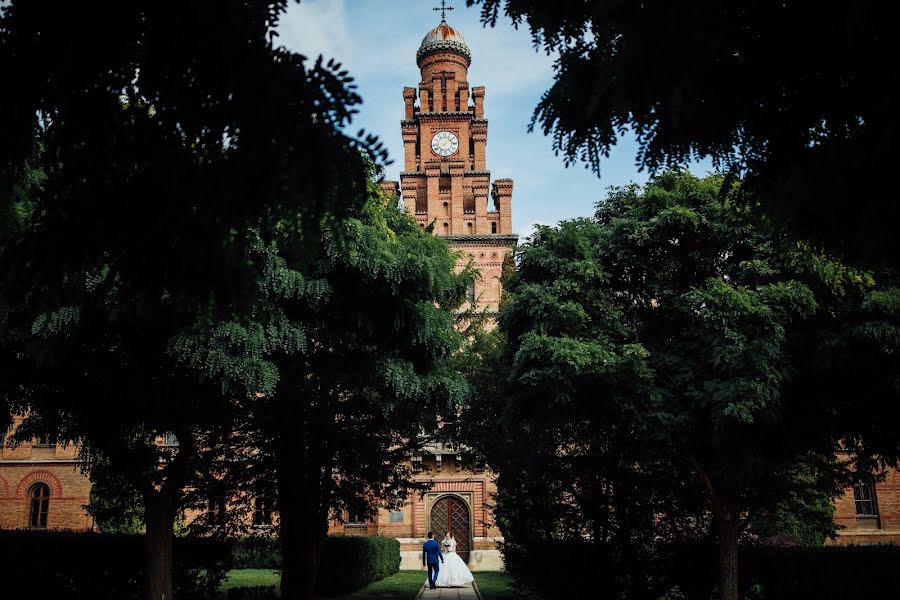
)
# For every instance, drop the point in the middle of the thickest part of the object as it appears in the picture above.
(454, 572)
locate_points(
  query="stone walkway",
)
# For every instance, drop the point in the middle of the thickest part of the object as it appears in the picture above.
(461, 593)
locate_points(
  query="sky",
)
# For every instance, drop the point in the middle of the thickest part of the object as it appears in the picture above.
(376, 40)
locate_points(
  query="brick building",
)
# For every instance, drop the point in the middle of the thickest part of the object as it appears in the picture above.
(869, 512)
(445, 184)
(41, 485)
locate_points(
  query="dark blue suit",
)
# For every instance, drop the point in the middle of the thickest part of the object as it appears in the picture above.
(431, 552)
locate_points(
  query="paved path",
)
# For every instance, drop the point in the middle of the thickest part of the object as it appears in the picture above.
(461, 593)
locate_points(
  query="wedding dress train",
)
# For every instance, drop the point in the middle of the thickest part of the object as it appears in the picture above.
(454, 572)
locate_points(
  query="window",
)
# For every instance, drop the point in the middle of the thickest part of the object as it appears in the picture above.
(444, 184)
(470, 293)
(864, 498)
(469, 228)
(356, 512)
(262, 512)
(421, 204)
(396, 516)
(39, 495)
(493, 228)
(216, 510)
(46, 441)
(169, 440)
(469, 204)
(446, 209)
(446, 228)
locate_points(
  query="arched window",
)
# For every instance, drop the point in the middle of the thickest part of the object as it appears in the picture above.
(493, 227)
(39, 496)
(469, 228)
(446, 209)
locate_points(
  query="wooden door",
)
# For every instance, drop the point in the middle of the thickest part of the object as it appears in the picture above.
(451, 514)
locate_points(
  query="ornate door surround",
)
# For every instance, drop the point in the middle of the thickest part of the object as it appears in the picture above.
(458, 511)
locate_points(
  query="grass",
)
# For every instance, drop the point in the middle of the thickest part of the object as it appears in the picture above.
(402, 586)
(249, 578)
(495, 586)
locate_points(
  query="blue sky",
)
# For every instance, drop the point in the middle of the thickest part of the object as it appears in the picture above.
(377, 41)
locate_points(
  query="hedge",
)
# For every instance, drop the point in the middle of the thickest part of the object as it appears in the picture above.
(691, 571)
(349, 563)
(823, 573)
(256, 553)
(66, 564)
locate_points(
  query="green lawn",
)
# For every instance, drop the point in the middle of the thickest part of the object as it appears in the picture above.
(249, 578)
(495, 586)
(402, 586)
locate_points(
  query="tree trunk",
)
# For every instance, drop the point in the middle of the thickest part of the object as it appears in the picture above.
(159, 516)
(728, 532)
(301, 528)
(160, 520)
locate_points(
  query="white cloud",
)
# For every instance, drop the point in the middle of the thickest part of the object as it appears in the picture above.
(376, 40)
(313, 28)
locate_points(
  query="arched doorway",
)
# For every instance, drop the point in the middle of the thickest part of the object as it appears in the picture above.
(450, 513)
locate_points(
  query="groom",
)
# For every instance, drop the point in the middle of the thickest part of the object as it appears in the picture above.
(431, 552)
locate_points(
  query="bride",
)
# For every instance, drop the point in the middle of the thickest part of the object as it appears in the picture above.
(454, 572)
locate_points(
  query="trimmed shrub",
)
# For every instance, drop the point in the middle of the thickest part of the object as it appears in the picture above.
(256, 553)
(690, 571)
(821, 573)
(786, 572)
(349, 563)
(67, 564)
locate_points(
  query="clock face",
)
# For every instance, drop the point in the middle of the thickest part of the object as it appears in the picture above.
(444, 143)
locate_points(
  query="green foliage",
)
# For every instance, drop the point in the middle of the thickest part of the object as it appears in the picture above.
(803, 516)
(644, 354)
(350, 563)
(260, 552)
(115, 504)
(830, 572)
(770, 573)
(107, 566)
(142, 185)
(776, 92)
(339, 368)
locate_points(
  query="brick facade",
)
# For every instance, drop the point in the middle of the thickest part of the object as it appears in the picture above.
(450, 190)
(880, 527)
(54, 465)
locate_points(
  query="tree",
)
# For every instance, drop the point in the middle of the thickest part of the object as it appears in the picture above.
(168, 146)
(350, 353)
(793, 98)
(115, 504)
(686, 321)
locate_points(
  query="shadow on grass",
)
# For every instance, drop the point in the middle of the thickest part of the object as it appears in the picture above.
(404, 585)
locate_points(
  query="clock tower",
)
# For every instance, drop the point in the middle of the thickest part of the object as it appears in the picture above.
(445, 182)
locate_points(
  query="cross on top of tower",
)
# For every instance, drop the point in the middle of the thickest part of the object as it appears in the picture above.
(443, 8)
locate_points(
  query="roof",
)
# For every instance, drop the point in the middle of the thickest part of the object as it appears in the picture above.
(443, 38)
